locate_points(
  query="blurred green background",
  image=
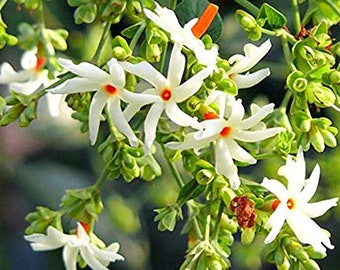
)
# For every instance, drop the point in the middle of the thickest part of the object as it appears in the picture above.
(37, 164)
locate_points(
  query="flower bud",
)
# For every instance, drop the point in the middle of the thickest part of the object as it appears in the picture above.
(193, 104)
(320, 95)
(205, 176)
(85, 13)
(153, 53)
(296, 81)
(228, 85)
(296, 249)
(310, 265)
(248, 236)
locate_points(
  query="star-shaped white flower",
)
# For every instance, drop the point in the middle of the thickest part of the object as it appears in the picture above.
(30, 78)
(242, 63)
(109, 89)
(95, 257)
(293, 204)
(167, 20)
(168, 91)
(226, 129)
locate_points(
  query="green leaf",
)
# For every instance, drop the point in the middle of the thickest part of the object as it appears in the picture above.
(189, 9)
(274, 18)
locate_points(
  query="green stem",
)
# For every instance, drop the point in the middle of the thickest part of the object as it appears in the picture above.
(286, 99)
(286, 52)
(296, 16)
(103, 38)
(174, 170)
(254, 10)
(218, 221)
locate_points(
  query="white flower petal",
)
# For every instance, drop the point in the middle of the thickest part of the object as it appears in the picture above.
(147, 72)
(131, 110)
(256, 135)
(191, 86)
(238, 152)
(317, 209)
(295, 172)
(86, 70)
(189, 143)
(210, 129)
(28, 59)
(117, 73)
(237, 113)
(76, 85)
(176, 66)
(108, 254)
(179, 117)
(98, 103)
(256, 117)
(120, 122)
(308, 232)
(70, 257)
(150, 125)
(253, 55)
(275, 222)
(276, 188)
(90, 258)
(250, 79)
(225, 165)
(9, 75)
(138, 98)
(310, 185)
(53, 240)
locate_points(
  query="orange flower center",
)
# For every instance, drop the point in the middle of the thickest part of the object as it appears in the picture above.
(204, 21)
(40, 63)
(210, 115)
(225, 132)
(110, 89)
(166, 94)
(86, 227)
(290, 204)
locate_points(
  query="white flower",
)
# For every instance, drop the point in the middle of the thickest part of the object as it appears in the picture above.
(168, 91)
(242, 63)
(95, 257)
(293, 205)
(109, 89)
(226, 133)
(30, 78)
(167, 20)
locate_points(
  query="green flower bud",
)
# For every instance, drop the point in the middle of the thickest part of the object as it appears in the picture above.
(320, 95)
(205, 176)
(120, 42)
(12, 114)
(245, 20)
(85, 13)
(296, 81)
(230, 225)
(335, 77)
(193, 104)
(328, 137)
(213, 263)
(248, 236)
(310, 265)
(228, 85)
(223, 63)
(113, 10)
(279, 256)
(296, 249)
(153, 53)
(317, 139)
(57, 38)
